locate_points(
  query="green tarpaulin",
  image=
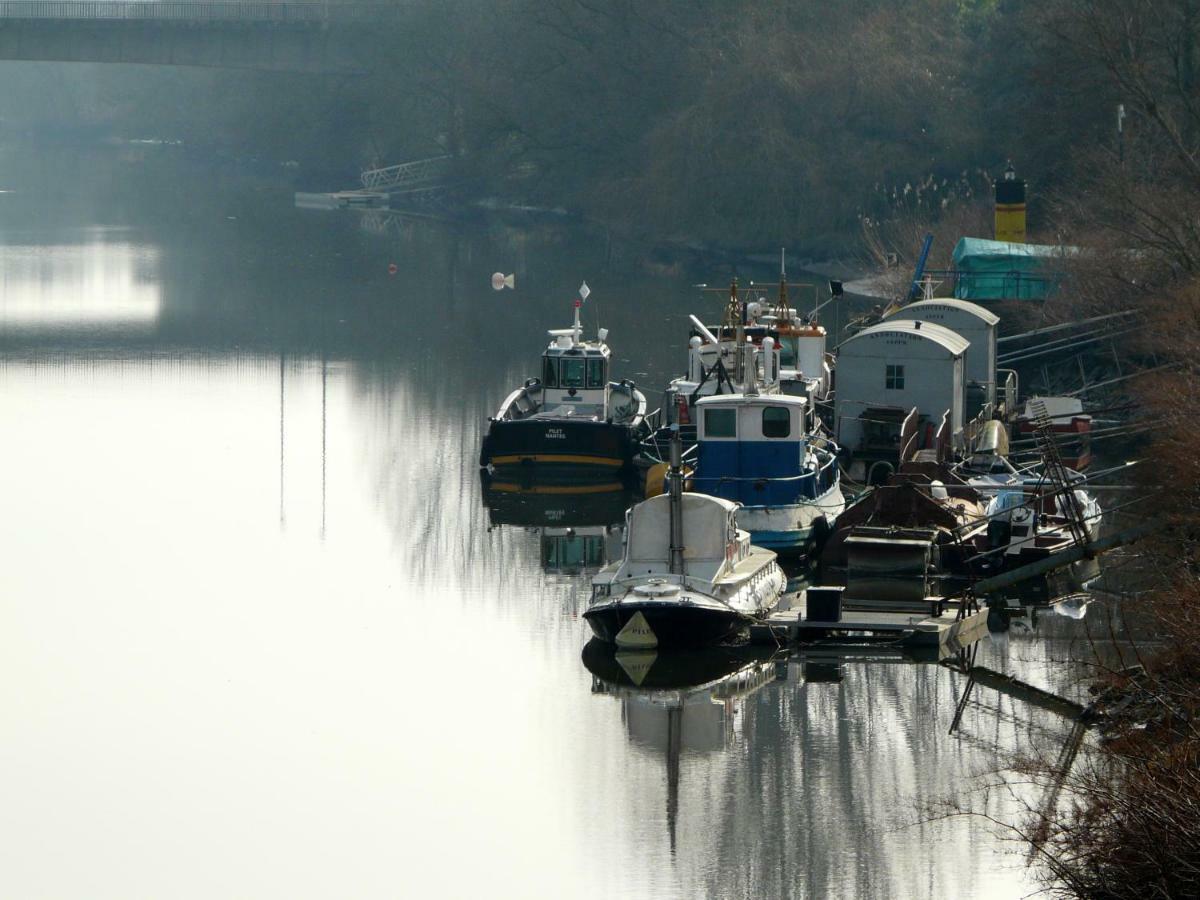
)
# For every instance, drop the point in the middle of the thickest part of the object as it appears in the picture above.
(997, 270)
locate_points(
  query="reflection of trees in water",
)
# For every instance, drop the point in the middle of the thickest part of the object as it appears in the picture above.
(456, 349)
(420, 434)
(830, 789)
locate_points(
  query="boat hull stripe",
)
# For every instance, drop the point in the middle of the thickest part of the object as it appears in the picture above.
(577, 459)
(557, 489)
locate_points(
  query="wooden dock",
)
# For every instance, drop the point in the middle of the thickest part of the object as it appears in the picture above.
(941, 635)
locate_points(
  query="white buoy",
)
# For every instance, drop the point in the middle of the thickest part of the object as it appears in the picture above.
(500, 281)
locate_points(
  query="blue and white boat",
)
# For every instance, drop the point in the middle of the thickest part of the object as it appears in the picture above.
(765, 452)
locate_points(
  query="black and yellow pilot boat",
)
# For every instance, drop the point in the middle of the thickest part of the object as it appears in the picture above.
(571, 422)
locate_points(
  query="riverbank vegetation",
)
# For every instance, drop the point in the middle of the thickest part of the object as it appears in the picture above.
(1130, 828)
(722, 124)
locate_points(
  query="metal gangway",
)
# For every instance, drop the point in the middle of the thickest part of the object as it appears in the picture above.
(418, 176)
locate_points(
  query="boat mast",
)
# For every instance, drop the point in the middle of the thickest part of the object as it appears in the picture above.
(783, 312)
(735, 321)
(675, 487)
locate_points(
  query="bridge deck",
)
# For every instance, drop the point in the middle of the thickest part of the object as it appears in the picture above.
(301, 36)
(221, 11)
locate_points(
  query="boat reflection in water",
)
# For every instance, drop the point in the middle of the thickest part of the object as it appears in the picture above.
(682, 700)
(732, 704)
(581, 527)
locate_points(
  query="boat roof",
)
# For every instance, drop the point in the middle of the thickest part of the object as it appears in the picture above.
(691, 500)
(705, 528)
(1056, 406)
(987, 316)
(930, 331)
(752, 400)
(982, 247)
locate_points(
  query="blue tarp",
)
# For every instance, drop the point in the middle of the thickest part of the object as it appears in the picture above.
(998, 270)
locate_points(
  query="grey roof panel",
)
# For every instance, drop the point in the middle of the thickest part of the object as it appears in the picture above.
(985, 315)
(930, 331)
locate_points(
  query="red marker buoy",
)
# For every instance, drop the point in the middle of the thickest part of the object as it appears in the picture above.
(393, 268)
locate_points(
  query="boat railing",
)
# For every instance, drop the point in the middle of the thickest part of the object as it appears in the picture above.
(657, 443)
(1001, 285)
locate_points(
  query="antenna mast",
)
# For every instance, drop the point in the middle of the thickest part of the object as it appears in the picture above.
(675, 490)
(783, 312)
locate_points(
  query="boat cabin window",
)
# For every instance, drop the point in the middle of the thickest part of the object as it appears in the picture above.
(571, 373)
(776, 421)
(894, 378)
(550, 372)
(721, 423)
(787, 354)
(595, 373)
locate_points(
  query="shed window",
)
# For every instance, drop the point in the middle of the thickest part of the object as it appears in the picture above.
(595, 373)
(776, 422)
(572, 373)
(721, 423)
(550, 372)
(894, 380)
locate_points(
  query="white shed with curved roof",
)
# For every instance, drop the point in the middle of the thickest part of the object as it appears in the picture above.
(897, 365)
(977, 325)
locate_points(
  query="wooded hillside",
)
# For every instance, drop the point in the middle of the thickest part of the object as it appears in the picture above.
(726, 122)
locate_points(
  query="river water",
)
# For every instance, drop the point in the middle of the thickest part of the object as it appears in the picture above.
(260, 637)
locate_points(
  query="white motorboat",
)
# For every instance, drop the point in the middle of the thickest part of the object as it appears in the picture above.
(689, 576)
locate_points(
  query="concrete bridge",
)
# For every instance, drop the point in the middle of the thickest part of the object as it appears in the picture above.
(286, 36)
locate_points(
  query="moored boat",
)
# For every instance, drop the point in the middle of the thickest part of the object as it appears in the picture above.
(724, 359)
(764, 451)
(1040, 506)
(689, 576)
(570, 422)
(1072, 427)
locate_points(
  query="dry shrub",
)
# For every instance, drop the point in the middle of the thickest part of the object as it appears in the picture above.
(1173, 467)
(1130, 826)
(1175, 327)
(1131, 831)
(899, 234)
(1170, 400)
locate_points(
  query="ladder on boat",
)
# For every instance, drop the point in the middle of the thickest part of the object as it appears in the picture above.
(1055, 472)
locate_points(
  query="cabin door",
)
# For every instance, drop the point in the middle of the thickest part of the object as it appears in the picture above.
(747, 492)
(769, 451)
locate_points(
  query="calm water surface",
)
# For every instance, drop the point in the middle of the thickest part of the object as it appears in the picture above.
(260, 637)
